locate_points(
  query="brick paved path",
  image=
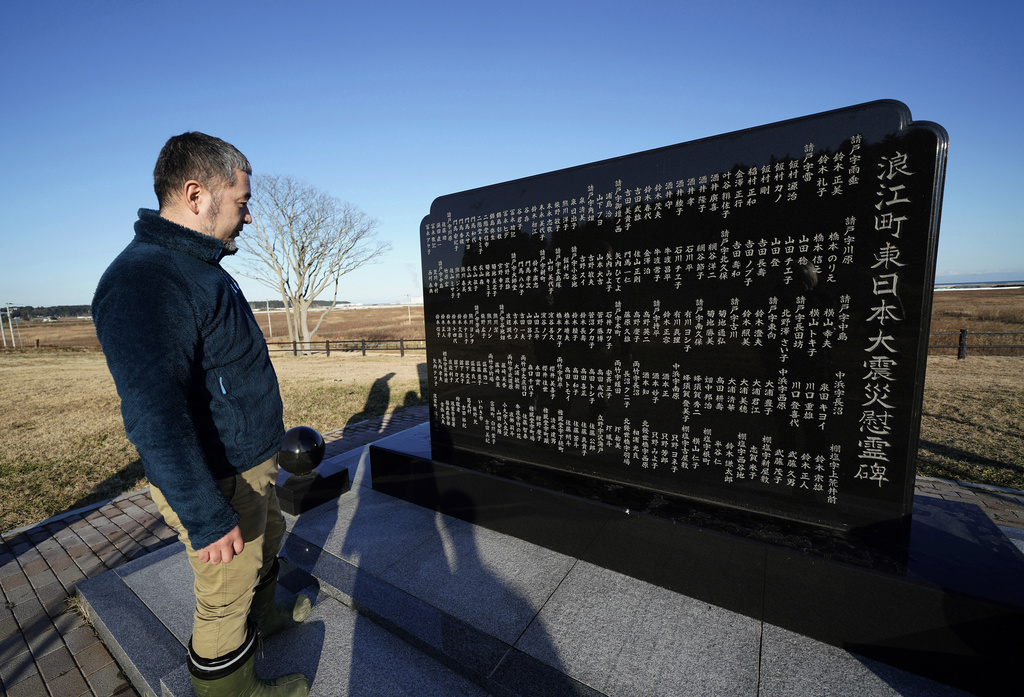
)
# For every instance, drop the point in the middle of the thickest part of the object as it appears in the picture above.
(46, 648)
(1004, 506)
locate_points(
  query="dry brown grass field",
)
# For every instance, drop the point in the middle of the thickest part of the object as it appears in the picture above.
(972, 423)
(343, 323)
(351, 323)
(62, 444)
(1000, 310)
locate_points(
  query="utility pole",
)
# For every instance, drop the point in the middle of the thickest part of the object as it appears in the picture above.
(10, 323)
(269, 324)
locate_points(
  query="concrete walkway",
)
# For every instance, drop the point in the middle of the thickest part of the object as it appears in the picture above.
(46, 648)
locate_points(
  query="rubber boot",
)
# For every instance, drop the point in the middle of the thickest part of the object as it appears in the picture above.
(271, 616)
(234, 675)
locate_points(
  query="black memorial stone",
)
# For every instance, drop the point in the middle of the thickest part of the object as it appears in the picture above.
(740, 320)
(702, 366)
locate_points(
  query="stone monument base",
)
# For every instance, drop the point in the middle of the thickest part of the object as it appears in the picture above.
(948, 606)
(300, 493)
(411, 602)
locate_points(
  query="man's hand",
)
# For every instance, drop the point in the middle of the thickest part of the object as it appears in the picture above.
(224, 549)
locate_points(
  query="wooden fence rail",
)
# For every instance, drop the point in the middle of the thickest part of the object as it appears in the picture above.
(962, 346)
(361, 345)
(403, 345)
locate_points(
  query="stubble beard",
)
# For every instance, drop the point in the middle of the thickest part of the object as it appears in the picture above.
(210, 225)
(210, 221)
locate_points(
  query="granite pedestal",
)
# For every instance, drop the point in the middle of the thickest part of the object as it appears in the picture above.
(409, 601)
(300, 493)
(949, 605)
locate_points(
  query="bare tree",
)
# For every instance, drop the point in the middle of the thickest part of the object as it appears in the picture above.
(303, 241)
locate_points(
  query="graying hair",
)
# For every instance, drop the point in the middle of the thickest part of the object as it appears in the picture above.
(210, 161)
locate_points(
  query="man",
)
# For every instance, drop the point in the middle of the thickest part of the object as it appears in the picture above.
(201, 403)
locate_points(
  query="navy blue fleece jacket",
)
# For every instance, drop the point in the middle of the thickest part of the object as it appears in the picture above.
(199, 396)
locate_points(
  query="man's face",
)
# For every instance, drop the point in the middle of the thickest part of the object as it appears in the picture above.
(227, 210)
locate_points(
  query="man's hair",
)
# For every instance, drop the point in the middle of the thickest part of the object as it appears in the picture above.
(208, 160)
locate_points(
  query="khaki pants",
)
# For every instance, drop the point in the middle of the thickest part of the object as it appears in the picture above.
(224, 592)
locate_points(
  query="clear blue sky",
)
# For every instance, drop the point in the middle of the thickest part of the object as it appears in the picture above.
(391, 104)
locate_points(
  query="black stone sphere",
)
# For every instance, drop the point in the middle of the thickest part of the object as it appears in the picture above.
(302, 450)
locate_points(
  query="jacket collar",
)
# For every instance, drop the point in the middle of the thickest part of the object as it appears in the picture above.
(152, 229)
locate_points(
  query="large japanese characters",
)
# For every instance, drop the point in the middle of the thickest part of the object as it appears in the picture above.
(740, 320)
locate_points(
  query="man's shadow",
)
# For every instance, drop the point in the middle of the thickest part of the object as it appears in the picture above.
(444, 566)
(126, 479)
(377, 401)
(400, 550)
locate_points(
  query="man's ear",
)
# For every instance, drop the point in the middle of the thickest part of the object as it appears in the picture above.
(193, 195)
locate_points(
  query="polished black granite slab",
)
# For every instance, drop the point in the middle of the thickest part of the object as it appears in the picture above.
(948, 605)
(740, 320)
(299, 493)
(703, 366)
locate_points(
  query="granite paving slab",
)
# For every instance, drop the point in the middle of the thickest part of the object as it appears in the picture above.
(491, 581)
(367, 529)
(137, 639)
(161, 581)
(795, 666)
(626, 637)
(343, 653)
(144, 612)
(1015, 536)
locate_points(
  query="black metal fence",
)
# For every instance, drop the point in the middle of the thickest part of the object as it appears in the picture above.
(962, 346)
(326, 346)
